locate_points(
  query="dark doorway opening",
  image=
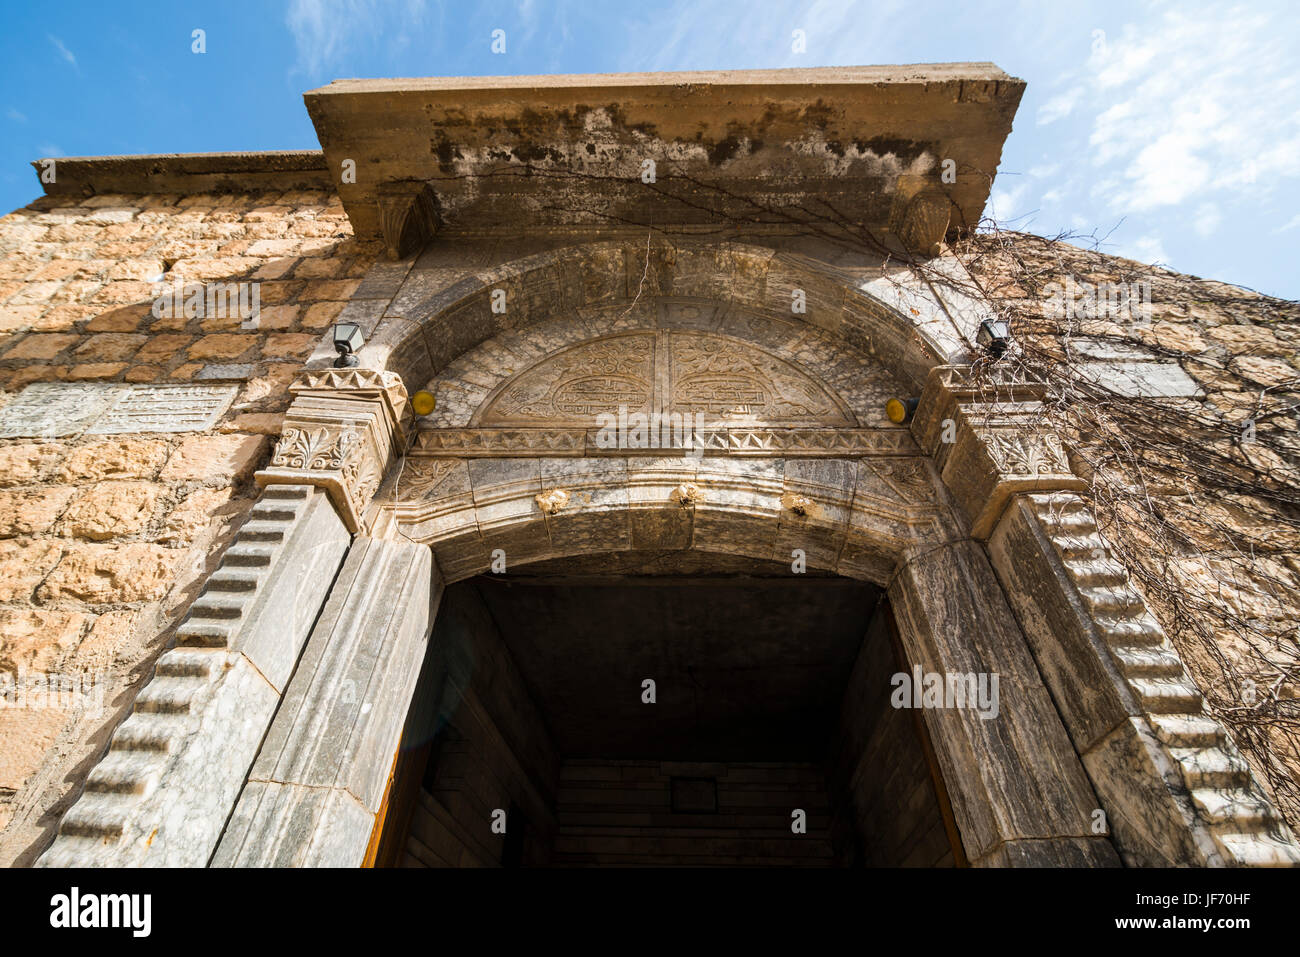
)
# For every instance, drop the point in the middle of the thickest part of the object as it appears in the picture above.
(663, 709)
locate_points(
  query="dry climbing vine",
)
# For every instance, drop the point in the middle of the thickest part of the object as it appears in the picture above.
(1199, 496)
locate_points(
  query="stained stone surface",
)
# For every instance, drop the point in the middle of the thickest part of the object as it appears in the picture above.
(317, 783)
(211, 698)
(233, 370)
(295, 826)
(1146, 379)
(166, 408)
(1014, 777)
(63, 409)
(57, 409)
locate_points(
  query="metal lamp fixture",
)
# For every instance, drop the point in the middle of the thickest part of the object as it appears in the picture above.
(994, 336)
(900, 411)
(347, 340)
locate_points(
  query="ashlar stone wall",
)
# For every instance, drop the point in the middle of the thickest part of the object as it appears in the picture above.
(106, 539)
(1202, 501)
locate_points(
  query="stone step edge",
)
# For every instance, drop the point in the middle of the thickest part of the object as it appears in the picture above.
(1216, 791)
(141, 746)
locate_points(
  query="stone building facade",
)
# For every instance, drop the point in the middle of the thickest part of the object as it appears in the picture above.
(606, 549)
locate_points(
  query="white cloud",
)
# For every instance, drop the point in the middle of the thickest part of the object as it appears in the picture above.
(1060, 106)
(1208, 218)
(1165, 173)
(1004, 204)
(15, 115)
(1145, 249)
(1199, 106)
(326, 31)
(689, 35)
(1289, 225)
(63, 51)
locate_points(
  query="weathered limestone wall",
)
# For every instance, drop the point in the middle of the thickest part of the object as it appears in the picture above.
(105, 540)
(1215, 370)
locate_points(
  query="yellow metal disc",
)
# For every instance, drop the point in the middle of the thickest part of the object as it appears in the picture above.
(896, 411)
(423, 402)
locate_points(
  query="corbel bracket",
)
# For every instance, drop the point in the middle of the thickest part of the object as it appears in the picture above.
(408, 216)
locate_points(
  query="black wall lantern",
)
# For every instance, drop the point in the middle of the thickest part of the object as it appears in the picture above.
(347, 340)
(994, 336)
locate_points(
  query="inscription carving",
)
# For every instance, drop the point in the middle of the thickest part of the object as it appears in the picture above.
(670, 372)
(580, 383)
(177, 408)
(54, 409)
(728, 379)
(58, 409)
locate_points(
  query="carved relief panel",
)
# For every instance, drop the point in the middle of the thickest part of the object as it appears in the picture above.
(666, 371)
(579, 383)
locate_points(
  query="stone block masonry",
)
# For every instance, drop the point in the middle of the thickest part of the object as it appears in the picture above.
(128, 440)
(134, 548)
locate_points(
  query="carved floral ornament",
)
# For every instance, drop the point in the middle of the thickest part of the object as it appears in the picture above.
(420, 477)
(1021, 453)
(343, 451)
(316, 449)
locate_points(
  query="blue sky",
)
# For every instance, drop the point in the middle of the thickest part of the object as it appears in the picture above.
(1170, 128)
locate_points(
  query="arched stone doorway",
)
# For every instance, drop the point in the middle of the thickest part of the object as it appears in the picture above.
(657, 708)
(278, 742)
(798, 467)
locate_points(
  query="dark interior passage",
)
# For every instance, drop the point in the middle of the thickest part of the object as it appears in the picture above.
(662, 709)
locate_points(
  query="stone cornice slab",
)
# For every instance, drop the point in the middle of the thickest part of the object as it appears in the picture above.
(858, 138)
(187, 173)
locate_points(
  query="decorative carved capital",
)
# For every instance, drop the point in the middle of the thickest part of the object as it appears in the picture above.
(361, 383)
(408, 216)
(989, 440)
(343, 429)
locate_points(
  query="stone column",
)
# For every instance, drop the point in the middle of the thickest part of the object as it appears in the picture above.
(174, 769)
(1019, 794)
(1174, 789)
(317, 785)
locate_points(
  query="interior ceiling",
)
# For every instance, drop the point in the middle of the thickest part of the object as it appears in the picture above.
(750, 662)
